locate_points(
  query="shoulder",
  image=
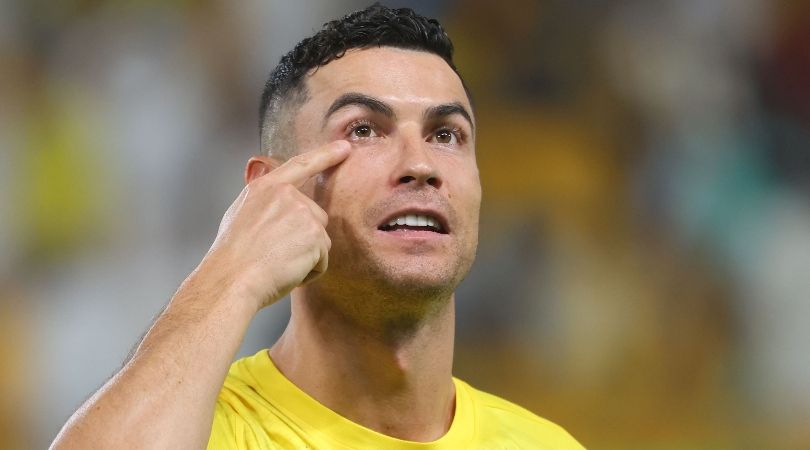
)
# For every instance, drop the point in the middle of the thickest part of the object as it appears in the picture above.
(242, 383)
(498, 416)
(492, 404)
(242, 413)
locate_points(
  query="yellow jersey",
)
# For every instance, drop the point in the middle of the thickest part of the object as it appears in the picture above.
(259, 408)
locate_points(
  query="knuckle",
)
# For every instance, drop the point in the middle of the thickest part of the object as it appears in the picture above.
(314, 228)
(301, 208)
(314, 232)
(283, 192)
(285, 188)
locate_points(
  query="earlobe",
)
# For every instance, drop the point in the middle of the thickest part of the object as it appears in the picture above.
(258, 166)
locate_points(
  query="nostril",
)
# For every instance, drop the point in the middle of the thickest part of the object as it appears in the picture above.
(435, 182)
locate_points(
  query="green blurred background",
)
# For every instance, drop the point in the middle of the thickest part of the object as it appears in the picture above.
(643, 276)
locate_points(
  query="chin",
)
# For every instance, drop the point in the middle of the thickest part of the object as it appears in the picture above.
(360, 268)
(420, 277)
(369, 286)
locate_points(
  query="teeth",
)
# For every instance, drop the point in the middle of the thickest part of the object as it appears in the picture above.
(415, 220)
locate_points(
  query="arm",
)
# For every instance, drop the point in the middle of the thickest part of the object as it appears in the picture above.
(271, 239)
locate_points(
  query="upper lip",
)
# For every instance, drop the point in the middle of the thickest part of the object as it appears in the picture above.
(421, 211)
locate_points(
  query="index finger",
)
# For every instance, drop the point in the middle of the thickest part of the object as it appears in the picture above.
(300, 168)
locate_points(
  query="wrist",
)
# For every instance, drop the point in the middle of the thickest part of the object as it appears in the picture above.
(237, 288)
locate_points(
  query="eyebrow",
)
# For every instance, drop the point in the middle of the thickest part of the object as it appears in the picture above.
(448, 109)
(376, 105)
(358, 99)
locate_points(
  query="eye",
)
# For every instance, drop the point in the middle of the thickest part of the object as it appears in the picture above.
(362, 130)
(446, 136)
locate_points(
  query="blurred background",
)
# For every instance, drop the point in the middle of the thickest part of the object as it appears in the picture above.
(643, 276)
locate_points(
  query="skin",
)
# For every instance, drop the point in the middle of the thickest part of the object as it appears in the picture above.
(389, 332)
(371, 331)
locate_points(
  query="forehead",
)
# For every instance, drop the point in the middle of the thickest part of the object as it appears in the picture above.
(399, 76)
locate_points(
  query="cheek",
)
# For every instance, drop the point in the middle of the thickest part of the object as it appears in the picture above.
(346, 186)
(466, 195)
(465, 182)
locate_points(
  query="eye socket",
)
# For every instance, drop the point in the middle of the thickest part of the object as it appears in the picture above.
(446, 136)
(362, 130)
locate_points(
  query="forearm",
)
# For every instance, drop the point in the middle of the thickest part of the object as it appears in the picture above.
(271, 239)
(164, 396)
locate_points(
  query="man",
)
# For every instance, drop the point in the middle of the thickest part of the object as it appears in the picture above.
(364, 205)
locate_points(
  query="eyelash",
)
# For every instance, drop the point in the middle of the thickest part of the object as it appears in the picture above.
(457, 132)
(357, 124)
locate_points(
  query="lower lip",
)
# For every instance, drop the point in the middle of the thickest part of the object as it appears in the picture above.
(413, 235)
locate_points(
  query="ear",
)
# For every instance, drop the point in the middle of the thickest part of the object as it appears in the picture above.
(258, 166)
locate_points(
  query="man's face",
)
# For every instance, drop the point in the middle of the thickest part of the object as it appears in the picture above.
(409, 121)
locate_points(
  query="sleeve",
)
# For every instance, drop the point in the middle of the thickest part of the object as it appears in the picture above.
(223, 435)
(230, 431)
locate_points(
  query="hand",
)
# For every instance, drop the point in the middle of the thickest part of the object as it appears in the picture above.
(273, 237)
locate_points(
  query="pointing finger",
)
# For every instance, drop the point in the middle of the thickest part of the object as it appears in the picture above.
(300, 168)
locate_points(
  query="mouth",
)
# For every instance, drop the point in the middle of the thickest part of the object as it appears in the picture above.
(414, 221)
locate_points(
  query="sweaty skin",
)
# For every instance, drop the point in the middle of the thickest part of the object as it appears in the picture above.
(371, 332)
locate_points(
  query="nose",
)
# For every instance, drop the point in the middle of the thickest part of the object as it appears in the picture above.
(416, 166)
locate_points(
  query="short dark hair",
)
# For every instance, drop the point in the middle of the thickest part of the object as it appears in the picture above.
(375, 26)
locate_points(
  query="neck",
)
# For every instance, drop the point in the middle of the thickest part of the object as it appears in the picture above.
(368, 373)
